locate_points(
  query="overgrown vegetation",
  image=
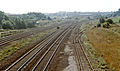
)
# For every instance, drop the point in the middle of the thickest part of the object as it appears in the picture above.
(105, 23)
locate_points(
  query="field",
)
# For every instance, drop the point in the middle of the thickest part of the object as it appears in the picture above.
(107, 43)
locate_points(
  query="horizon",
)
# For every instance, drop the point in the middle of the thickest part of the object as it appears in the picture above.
(60, 12)
(53, 6)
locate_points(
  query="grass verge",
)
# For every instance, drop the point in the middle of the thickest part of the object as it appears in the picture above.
(99, 60)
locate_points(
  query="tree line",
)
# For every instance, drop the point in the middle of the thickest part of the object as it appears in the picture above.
(22, 21)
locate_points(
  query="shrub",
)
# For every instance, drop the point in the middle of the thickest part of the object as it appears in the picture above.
(119, 21)
(110, 21)
(106, 25)
(106, 17)
(101, 20)
(98, 25)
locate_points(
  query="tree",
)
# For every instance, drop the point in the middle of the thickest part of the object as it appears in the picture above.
(49, 18)
(20, 21)
(7, 25)
(101, 20)
(3, 17)
(0, 26)
(19, 24)
(106, 17)
(30, 24)
(110, 21)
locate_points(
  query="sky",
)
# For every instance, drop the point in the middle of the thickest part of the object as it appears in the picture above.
(52, 6)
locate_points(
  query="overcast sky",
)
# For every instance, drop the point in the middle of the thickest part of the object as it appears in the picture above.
(51, 6)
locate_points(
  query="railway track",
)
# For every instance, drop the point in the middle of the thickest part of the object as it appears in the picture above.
(82, 59)
(43, 63)
(11, 38)
(39, 51)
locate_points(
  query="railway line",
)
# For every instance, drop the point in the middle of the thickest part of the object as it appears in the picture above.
(11, 38)
(47, 57)
(41, 55)
(82, 59)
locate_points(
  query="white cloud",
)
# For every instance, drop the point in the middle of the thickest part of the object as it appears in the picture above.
(24, 6)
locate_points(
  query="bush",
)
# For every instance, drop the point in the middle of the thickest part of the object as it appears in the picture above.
(106, 25)
(110, 21)
(119, 21)
(101, 20)
(106, 17)
(7, 25)
(98, 25)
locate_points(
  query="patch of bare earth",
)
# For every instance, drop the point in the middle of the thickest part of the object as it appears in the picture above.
(71, 59)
